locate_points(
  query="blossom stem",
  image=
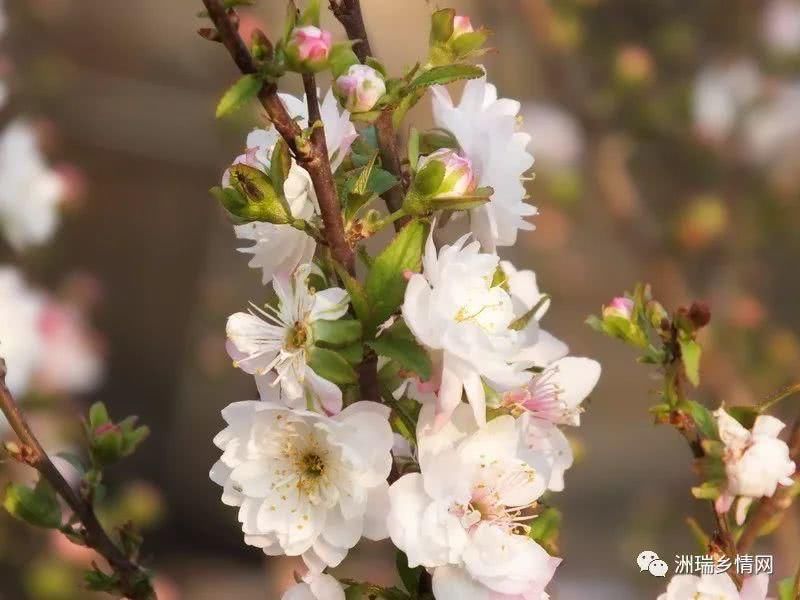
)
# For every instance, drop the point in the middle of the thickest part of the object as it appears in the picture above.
(674, 373)
(348, 12)
(130, 574)
(314, 160)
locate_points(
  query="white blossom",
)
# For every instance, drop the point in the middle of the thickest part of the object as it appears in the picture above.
(453, 310)
(21, 343)
(306, 484)
(486, 128)
(552, 398)
(715, 587)
(280, 339)
(557, 140)
(721, 93)
(771, 129)
(315, 586)
(30, 190)
(466, 515)
(757, 461)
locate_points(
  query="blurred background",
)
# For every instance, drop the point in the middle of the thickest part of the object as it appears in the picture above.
(667, 145)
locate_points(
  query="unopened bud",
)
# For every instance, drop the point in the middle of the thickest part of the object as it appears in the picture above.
(621, 307)
(461, 25)
(309, 48)
(458, 179)
(699, 314)
(360, 88)
(252, 197)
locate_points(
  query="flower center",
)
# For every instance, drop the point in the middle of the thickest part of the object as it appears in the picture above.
(297, 336)
(485, 506)
(313, 465)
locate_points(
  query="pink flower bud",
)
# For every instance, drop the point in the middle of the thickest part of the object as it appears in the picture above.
(459, 178)
(461, 25)
(309, 47)
(619, 307)
(360, 88)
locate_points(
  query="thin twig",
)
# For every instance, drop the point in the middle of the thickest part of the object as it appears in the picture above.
(313, 159)
(723, 534)
(95, 536)
(349, 14)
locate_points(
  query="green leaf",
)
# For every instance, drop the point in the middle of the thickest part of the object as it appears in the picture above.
(354, 353)
(377, 65)
(708, 490)
(332, 366)
(341, 332)
(240, 92)
(280, 165)
(132, 436)
(36, 506)
(386, 282)
(358, 297)
(341, 58)
(545, 528)
(690, 352)
(413, 148)
(522, 322)
(405, 350)
(310, 15)
(409, 577)
(442, 25)
(445, 74)
(704, 421)
(362, 181)
(98, 415)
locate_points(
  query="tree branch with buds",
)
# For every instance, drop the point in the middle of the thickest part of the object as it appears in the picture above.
(313, 158)
(349, 14)
(131, 579)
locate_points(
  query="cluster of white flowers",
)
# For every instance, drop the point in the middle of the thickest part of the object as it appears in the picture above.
(309, 465)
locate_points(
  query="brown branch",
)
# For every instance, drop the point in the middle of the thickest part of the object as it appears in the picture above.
(313, 158)
(723, 535)
(769, 508)
(348, 12)
(130, 574)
